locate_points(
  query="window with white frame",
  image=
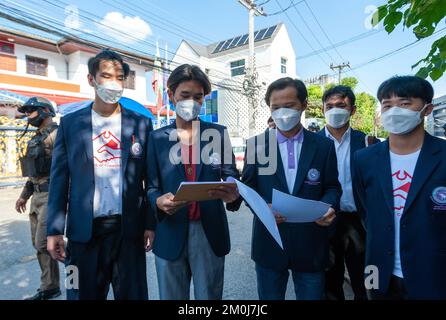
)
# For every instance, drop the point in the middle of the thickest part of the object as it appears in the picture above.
(237, 67)
(130, 81)
(283, 62)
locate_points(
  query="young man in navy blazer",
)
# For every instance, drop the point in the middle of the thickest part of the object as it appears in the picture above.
(347, 245)
(306, 167)
(401, 185)
(97, 190)
(192, 238)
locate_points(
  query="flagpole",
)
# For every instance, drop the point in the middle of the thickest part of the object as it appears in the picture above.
(164, 75)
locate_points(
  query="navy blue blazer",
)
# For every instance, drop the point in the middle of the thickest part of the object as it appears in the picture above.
(72, 182)
(305, 244)
(165, 176)
(423, 222)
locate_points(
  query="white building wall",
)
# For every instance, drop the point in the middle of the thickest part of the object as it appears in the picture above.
(185, 54)
(233, 106)
(282, 47)
(140, 92)
(77, 64)
(79, 67)
(56, 62)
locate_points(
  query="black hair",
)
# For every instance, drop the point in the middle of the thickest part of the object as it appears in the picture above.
(107, 55)
(283, 83)
(270, 119)
(187, 72)
(342, 91)
(406, 87)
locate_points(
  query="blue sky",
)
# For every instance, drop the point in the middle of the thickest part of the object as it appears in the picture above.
(206, 21)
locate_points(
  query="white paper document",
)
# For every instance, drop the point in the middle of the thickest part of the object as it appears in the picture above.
(296, 209)
(260, 209)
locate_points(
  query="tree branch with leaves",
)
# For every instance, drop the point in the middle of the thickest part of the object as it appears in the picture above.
(424, 17)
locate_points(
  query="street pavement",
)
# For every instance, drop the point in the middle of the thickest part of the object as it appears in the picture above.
(19, 269)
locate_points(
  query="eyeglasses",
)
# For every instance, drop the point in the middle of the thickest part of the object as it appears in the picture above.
(28, 109)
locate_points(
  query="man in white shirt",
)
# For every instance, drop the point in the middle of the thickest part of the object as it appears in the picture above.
(347, 245)
(97, 184)
(401, 188)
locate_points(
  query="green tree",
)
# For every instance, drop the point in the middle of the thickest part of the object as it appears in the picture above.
(351, 82)
(315, 93)
(364, 119)
(423, 16)
(314, 109)
(366, 105)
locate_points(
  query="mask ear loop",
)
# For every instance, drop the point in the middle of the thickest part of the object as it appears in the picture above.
(425, 106)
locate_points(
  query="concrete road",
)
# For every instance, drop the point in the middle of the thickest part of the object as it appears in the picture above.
(19, 269)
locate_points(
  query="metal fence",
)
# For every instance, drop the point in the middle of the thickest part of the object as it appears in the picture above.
(12, 147)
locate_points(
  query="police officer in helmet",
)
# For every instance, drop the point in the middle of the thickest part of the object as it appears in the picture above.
(35, 165)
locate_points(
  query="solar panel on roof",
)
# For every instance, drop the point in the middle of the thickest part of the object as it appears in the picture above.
(260, 34)
(218, 48)
(226, 45)
(243, 40)
(231, 44)
(234, 42)
(270, 32)
(246, 40)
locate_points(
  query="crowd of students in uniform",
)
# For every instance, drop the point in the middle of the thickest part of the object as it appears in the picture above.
(113, 180)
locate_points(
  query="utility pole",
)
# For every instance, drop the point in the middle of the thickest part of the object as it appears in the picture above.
(250, 83)
(340, 67)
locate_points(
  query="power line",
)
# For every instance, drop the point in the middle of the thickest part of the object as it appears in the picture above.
(312, 33)
(44, 26)
(172, 14)
(301, 34)
(322, 29)
(222, 75)
(292, 4)
(137, 10)
(331, 43)
(171, 25)
(263, 3)
(341, 43)
(393, 52)
(340, 67)
(124, 35)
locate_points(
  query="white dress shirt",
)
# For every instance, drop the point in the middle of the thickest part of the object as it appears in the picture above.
(345, 176)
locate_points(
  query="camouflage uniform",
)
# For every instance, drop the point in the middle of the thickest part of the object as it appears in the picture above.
(37, 187)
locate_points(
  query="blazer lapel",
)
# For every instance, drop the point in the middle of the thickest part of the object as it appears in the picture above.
(384, 173)
(127, 126)
(428, 161)
(357, 142)
(169, 144)
(86, 131)
(306, 156)
(199, 163)
(280, 172)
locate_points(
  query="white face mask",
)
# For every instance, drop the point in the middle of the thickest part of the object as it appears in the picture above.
(188, 109)
(337, 117)
(399, 120)
(109, 91)
(286, 118)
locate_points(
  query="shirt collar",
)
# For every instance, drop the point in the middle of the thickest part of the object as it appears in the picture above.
(299, 137)
(345, 137)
